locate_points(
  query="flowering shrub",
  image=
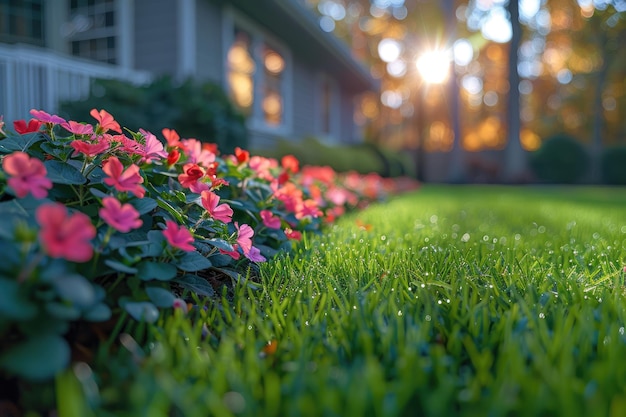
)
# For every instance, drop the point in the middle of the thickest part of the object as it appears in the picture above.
(95, 220)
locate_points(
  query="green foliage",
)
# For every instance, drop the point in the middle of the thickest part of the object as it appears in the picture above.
(614, 165)
(448, 302)
(342, 158)
(195, 110)
(561, 159)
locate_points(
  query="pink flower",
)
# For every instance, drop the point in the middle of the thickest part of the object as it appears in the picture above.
(130, 146)
(153, 149)
(127, 180)
(63, 236)
(293, 234)
(210, 202)
(196, 154)
(22, 128)
(178, 237)
(90, 149)
(269, 220)
(244, 237)
(122, 217)
(263, 166)
(28, 175)
(78, 128)
(106, 121)
(46, 118)
(255, 255)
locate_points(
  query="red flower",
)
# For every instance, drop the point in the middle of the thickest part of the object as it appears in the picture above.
(172, 138)
(178, 237)
(123, 180)
(192, 173)
(173, 157)
(22, 128)
(241, 155)
(90, 149)
(106, 121)
(290, 163)
(293, 234)
(221, 212)
(122, 217)
(28, 175)
(63, 236)
(307, 208)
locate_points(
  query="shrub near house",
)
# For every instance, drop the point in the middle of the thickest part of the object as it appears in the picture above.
(94, 222)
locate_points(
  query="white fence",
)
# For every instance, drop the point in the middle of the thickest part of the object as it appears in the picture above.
(37, 78)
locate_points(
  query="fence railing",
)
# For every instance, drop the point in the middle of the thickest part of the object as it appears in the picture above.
(32, 77)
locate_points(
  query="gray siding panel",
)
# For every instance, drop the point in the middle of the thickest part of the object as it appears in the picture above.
(346, 119)
(156, 35)
(304, 101)
(209, 43)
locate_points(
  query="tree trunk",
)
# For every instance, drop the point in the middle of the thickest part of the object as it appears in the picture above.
(456, 168)
(515, 163)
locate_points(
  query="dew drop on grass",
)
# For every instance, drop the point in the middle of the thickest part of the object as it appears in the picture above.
(518, 236)
(542, 316)
(249, 327)
(465, 237)
(434, 218)
(399, 312)
(423, 285)
(621, 331)
(306, 323)
(427, 318)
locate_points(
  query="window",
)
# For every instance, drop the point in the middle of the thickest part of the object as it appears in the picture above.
(257, 70)
(92, 30)
(22, 21)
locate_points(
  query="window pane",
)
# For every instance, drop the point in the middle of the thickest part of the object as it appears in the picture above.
(273, 70)
(241, 69)
(22, 21)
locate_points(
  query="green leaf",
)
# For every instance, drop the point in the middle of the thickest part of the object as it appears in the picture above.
(170, 209)
(75, 289)
(98, 193)
(196, 284)
(148, 270)
(59, 152)
(219, 243)
(155, 247)
(96, 176)
(63, 173)
(141, 310)
(144, 205)
(37, 358)
(192, 262)
(19, 143)
(160, 296)
(120, 267)
(100, 312)
(62, 311)
(13, 304)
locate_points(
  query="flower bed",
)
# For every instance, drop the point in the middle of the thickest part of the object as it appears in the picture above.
(98, 221)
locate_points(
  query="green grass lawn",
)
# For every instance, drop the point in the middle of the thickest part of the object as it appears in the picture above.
(468, 301)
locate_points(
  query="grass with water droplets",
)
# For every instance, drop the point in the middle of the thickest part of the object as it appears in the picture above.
(452, 301)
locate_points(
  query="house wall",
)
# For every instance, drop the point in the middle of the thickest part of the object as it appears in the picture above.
(156, 36)
(304, 98)
(346, 118)
(209, 43)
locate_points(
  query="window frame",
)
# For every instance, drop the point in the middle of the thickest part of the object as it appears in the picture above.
(260, 36)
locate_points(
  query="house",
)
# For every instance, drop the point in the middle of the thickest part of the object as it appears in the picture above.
(290, 78)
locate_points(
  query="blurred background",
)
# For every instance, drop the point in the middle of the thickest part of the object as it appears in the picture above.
(467, 91)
